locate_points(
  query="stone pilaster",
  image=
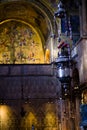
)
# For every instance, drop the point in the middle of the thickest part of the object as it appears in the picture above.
(84, 18)
(77, 114)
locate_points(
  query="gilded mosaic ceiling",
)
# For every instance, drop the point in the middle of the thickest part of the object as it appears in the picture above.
(26, 12)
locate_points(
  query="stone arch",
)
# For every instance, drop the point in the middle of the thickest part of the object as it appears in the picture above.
(30, 117)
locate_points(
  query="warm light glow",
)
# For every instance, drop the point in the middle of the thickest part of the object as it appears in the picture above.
(50, 116)
(84, 97)
(29, 120)
(50, 119)
(41, 118)
(2, 112)
(47, 56)
(6, 117)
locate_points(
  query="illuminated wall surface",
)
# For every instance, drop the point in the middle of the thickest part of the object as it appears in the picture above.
(41, 119)
(19, 43)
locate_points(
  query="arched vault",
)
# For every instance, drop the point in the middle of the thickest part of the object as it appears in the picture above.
(37, 14)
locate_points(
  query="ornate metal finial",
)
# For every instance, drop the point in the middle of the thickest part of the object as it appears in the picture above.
(61, 10)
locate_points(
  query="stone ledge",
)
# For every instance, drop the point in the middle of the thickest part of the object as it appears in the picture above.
(13, 70)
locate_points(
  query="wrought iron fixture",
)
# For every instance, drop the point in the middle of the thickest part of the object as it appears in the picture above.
(64, 70)
(63, 61)
(61, 11)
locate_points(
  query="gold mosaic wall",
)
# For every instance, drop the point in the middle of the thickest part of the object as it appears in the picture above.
(20, 43)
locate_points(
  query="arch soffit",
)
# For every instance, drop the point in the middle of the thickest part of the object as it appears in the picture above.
(35, 13)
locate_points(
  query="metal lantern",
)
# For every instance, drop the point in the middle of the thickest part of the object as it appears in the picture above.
(63, 63)
(61, 11)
